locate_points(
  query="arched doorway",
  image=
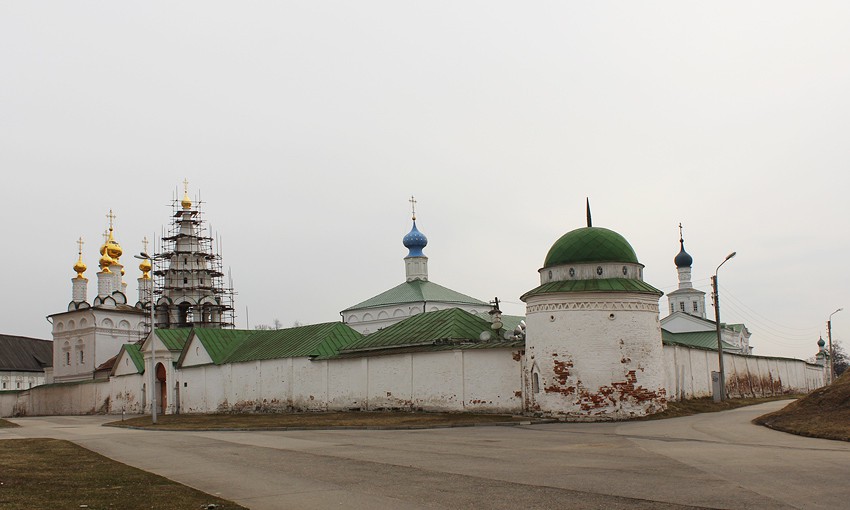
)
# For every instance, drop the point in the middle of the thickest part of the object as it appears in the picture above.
(161, 387)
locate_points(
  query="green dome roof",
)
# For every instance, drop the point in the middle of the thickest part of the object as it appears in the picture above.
(590, 244)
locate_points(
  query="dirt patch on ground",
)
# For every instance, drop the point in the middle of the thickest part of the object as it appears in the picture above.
(824, 413)
(708, 405)
(5, 423)
(391, 420)
(49, 473)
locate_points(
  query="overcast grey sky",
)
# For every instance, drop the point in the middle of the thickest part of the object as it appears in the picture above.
(306, 126)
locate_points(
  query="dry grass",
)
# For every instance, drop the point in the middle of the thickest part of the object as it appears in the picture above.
(6, 423)
(316, 420)
(708, 405)
(824, 413)
(50, 473)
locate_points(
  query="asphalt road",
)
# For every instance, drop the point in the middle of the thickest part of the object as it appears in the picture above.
(715, 460)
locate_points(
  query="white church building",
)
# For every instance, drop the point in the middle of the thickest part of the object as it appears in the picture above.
(591, 347)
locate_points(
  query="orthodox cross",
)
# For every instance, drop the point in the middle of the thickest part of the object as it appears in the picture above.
(145, 245)
(80, 243)
(413, 206)
(185, 185)
(680, 232)
(111, 218)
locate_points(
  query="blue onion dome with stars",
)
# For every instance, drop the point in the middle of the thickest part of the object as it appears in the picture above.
(415, 241)
(683, 259)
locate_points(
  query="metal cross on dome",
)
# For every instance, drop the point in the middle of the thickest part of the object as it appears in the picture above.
(80, 244)
(186, 185)
(111, 218)
(413, 206)
(145, 244)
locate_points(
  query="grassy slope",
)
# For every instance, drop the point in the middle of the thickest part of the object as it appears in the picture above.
(824, 413)
(49, 473)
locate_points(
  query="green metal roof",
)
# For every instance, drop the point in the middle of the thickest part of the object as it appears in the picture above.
(220, 342)
(314, 340)
(451, 325)
(490, 344)
(600, 285)
(134, 351)
(416, 291)
(703, 339)
(590, 244)
(173, 339)
(510, 322)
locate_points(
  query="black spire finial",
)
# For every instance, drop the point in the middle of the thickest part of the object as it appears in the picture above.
(589, 222)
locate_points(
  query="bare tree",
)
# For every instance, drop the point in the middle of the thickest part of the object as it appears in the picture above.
(839, 358)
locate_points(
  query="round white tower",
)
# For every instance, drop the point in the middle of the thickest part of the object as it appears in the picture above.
(593, 344)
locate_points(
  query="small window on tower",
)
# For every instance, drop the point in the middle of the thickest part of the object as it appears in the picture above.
(671, 307)
(682, 306)
(535, 383)
(185, 281)
(68, 359)
(696, 307)
(82, 357)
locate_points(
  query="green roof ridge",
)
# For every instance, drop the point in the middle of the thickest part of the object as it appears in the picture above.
(594, 285)
(416, 291)
(173, 339)
(425, 328)
(304, 341)
(703, 339)
(134, 351)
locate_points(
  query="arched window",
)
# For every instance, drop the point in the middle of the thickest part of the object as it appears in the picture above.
(535, 383)
(68, 358)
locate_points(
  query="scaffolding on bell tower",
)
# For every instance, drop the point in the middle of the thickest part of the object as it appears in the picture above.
(190, 286)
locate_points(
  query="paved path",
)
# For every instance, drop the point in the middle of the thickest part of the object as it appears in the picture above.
(716, 460)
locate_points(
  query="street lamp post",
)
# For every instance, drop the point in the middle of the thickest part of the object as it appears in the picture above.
(145, 256)
(829, 337)
(717, 323)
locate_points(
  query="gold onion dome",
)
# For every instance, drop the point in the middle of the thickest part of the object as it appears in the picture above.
(146, 267)
(186, 202)
(113, 248)
(80, 267)
(105, 261)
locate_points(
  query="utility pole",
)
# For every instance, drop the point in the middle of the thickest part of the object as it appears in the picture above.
(714, 287)
(829, 336)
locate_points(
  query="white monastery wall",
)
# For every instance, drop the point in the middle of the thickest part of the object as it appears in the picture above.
(687, 374)
(347, 384)
(485, 380)
(127, 394)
